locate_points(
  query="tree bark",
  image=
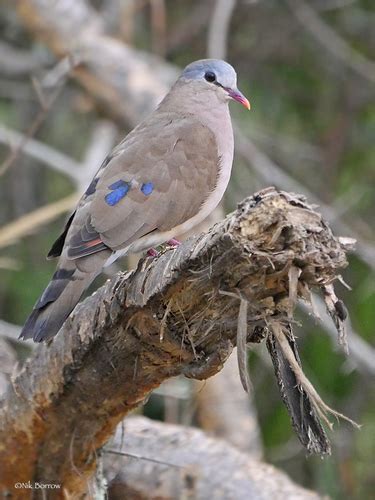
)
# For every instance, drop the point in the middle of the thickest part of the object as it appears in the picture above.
(157, 460)
(176, 314)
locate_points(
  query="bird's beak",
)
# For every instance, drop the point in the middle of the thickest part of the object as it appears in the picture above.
(236, 95)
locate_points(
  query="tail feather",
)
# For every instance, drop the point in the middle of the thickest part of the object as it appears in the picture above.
(56, 303)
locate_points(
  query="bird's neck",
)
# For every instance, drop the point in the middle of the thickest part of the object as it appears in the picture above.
(204, 106)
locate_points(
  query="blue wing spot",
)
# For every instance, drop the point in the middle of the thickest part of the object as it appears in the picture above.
(147, 188)
(119, 190)
(118, 184)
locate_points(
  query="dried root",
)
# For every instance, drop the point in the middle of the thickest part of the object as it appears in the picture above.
(320, 406)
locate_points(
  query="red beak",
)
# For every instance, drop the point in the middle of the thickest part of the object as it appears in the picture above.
(236, 95)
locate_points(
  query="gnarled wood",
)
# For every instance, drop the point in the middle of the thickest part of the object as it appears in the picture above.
(176, 314)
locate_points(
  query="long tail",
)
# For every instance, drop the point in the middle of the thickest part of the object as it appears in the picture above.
(60, 297)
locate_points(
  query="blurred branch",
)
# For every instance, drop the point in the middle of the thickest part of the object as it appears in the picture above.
(324, 5)
(9, 330)
(16, 62)
(15, 90)
(54, 81)
(272, 173)
(220, 399)
(32, 129)
(330, 40)
(28, 224)
(102, 140)
(9, 263)
(39, 151)
(296, 150)
(218, 29)
(362, 354)
(191, 26)
(129, 82)
(59, 73)
(112, 14)
(183, 463)
(109, 355)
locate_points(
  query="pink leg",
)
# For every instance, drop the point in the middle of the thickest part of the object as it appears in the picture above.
(174, 243)
(151, 252)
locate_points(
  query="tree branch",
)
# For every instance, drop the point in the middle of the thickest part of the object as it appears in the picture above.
(54, 418)
(219, 28)
(183, 462)
(15, 62)
(42, 152)
(29, 223)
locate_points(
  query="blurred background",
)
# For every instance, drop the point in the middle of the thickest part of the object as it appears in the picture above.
(75, 77)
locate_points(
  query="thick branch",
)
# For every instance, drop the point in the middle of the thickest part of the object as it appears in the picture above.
(158, 460)
(176, 314)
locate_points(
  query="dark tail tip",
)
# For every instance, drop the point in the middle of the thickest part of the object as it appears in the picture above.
(56, 303)
(51, 310)
(38, 327)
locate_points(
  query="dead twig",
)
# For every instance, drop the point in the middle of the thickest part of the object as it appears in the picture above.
(241, 345)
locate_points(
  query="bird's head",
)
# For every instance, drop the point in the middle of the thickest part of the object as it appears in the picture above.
(216, 75)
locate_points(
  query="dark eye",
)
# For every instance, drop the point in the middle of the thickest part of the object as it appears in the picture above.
(210, 76)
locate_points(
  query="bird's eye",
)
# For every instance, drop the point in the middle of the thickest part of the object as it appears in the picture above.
(210, 76)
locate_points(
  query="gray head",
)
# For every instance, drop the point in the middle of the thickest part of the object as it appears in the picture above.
(216, 75)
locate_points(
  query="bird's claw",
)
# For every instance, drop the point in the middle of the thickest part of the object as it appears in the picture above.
(151, 252)
(173, 242)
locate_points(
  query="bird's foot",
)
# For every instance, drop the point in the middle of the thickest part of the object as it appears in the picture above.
(151, 252)
(173, 242)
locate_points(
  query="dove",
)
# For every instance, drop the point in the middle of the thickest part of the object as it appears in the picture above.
(165, 177)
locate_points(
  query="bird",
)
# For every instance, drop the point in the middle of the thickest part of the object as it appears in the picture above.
(165, 177)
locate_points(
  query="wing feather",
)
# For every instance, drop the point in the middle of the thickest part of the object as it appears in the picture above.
(177, 157)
